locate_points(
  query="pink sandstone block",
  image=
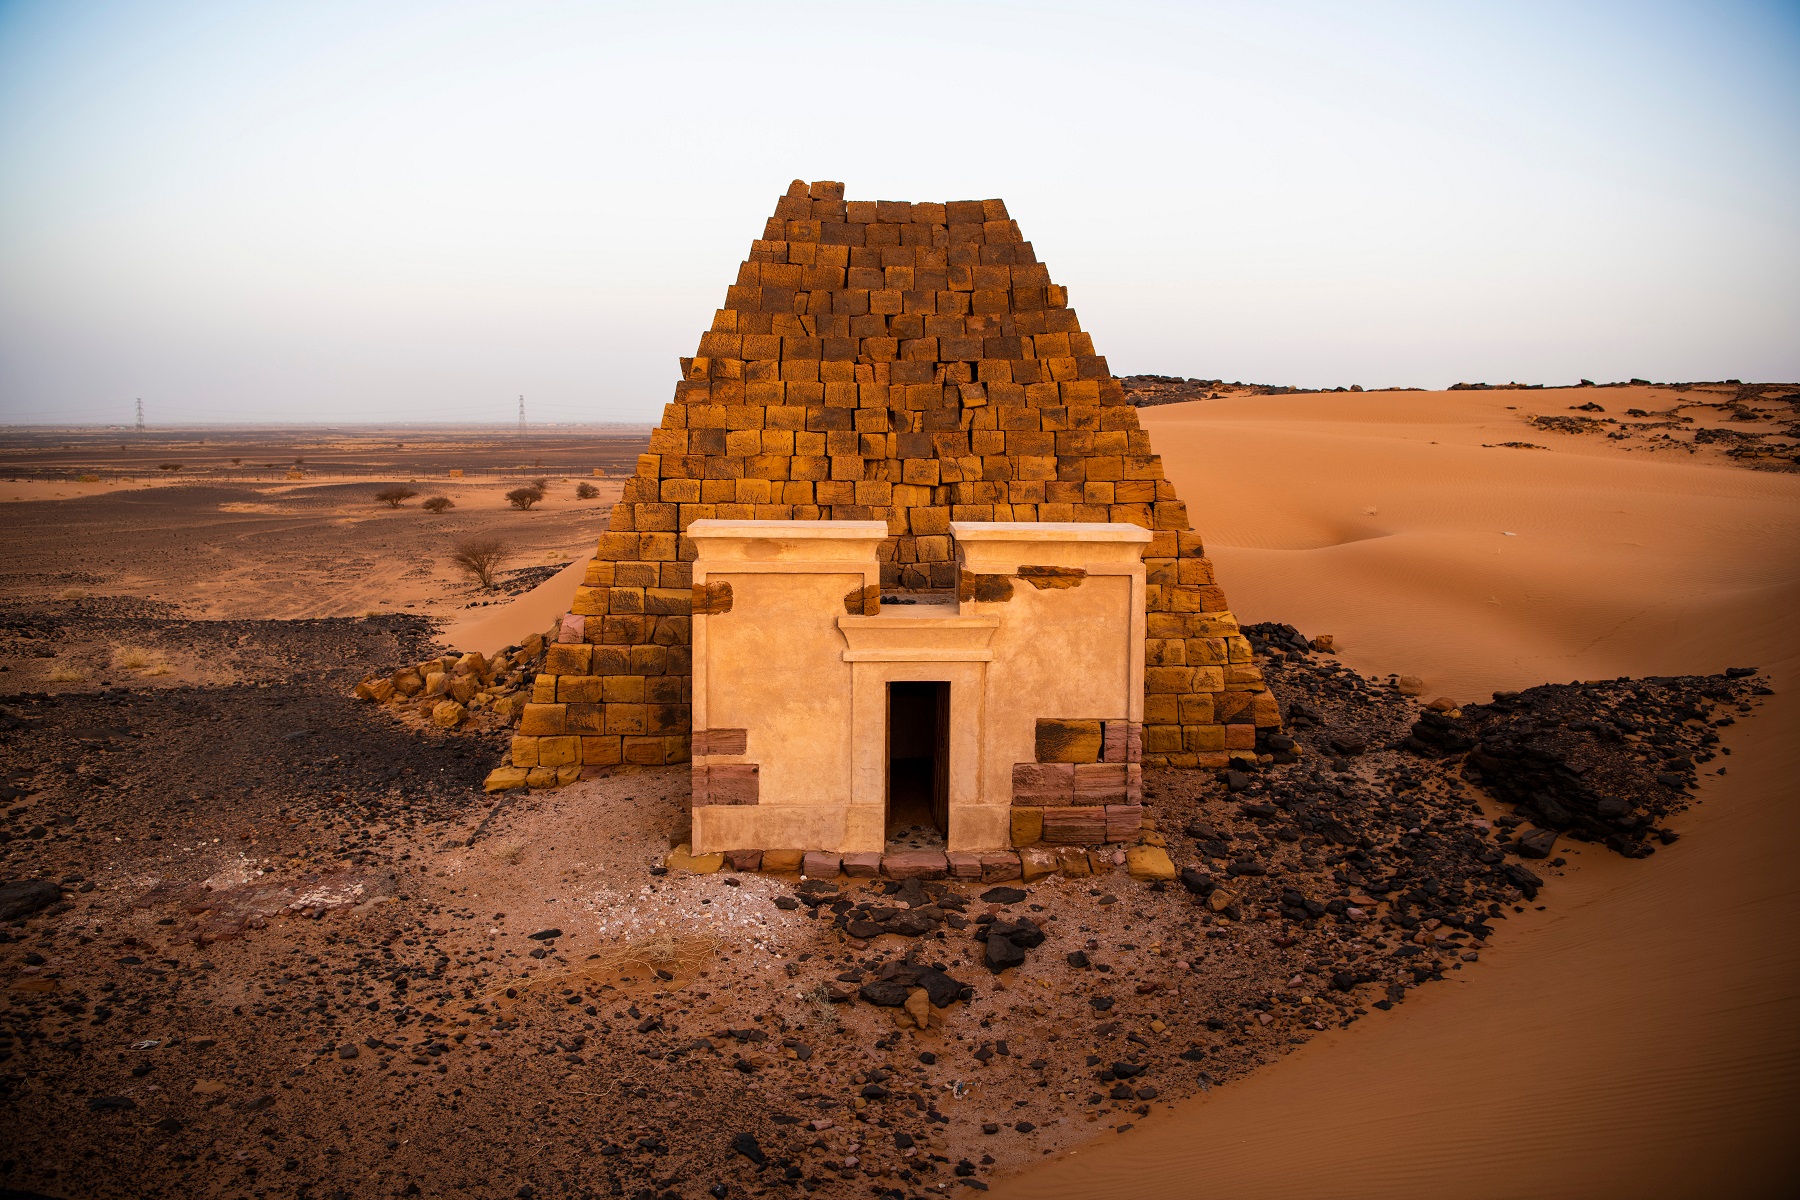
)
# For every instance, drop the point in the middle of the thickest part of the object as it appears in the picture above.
(572, 628)
(720, 741)
(1134, 742)
(820, 864)
(964, 865)
(915, 864)
(1100, 783)
(864, 864)
(1123, 821)
(744, 860)
(1134, 783)
(997, 866)
(732, 783)
(1114, 742)
(699, 786)
(1043, 783)
(1074, 826)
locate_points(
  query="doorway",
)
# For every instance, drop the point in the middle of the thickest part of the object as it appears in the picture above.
(918, 763)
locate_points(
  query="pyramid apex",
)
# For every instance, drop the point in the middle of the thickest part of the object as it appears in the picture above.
(825, 189)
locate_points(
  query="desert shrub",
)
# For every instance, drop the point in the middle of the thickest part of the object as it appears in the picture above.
(65, 674)
(394, 497)
(542, 485)
(480, 558)
(168, 466)
(132, 658)
(438, 504)
(87, 479)
(586, 491)
(523, 498)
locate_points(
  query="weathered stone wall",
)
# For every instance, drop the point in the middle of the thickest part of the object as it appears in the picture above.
(907, 363)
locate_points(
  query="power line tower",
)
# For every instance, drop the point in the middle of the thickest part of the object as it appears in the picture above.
(521, 416)
(140, 415)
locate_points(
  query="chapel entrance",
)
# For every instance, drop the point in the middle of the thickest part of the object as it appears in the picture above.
(918, 758)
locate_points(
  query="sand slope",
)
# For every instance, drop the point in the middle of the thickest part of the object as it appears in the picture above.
(1640, 1038)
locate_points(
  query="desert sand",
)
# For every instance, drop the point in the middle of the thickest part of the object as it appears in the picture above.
(1639, 1037)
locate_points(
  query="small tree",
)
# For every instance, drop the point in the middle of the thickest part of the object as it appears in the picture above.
(438, 504)
(394, 497)
(523, 498)
(168, 466)
(542, 485)
(480, 558)
(586, 491)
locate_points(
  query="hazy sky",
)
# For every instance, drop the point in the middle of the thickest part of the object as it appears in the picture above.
(386, 210)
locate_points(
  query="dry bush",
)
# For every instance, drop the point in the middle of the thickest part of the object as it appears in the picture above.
(523, 498)
(511, 852)
(655, 951)
(87, 479)
(65, 674)
(394, 497)
(168, 466)
(438, 504)
(586, 491)
(480, 558)
(138, 658)
(72, 594)
(542, 485)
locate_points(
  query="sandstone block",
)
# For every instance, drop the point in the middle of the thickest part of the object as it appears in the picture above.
(862, 864)
(541, 777)
(448, 714)
(914, 864)
(1064, 826)
(559, 751)
(731, 783)
(821, 864)
(782, 862)
(965, 864)
(524, 752)
(997, 866)
(568, 658)
(571, 628)
(380, 691)
(601, 752)
(744, 860)
(544, 720)
(1101, 860)
(1043, 783)
(1123, 822)
(721, 741)
(504, 779)
(1114, 742)
(1240, 737)
(1035, 862)
(1066, 741)
(1027, 826)
(683, 858)
(1073, 861)
(1099, 783)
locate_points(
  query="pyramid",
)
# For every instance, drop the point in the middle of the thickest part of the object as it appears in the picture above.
(887, 361)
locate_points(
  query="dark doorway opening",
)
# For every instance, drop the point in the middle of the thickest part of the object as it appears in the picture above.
(918, 755)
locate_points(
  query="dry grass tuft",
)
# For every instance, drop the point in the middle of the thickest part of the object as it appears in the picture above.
(65, 674)
(511, 852)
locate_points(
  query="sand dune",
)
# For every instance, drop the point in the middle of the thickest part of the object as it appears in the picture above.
(1639, 1038)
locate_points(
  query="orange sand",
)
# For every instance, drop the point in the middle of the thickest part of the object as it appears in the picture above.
(1642, 1036)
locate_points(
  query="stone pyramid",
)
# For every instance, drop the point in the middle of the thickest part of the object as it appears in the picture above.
(903, 362)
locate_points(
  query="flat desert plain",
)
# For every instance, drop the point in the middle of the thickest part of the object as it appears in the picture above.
(1640, 1037)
